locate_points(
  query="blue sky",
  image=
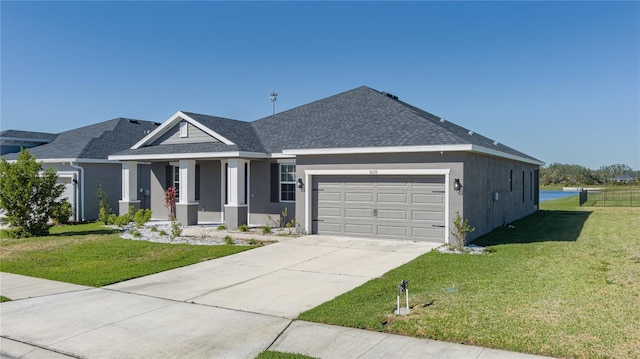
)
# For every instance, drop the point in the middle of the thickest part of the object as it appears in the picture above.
(557, 80)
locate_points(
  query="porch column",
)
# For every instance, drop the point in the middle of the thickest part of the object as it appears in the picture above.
(235, 211)
(187, 207)
(129, 187)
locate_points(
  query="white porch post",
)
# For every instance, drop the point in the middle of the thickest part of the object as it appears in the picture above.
(235, 211)
(235, 179)
(129, 187)
(187, 207)
(187, 181)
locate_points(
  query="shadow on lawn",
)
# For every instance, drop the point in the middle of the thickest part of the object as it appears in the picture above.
(542, 226)
(84, 232)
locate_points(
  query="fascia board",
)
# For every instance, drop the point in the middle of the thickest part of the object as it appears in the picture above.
(182, 156)
(491, 152)
(382, 149)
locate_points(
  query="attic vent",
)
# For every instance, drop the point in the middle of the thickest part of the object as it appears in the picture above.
(442, 120)
(134, 121)
(495, 143)
(390, 95)
(470, 133)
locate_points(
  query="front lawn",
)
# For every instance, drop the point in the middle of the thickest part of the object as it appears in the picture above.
(565, 282)
(93, 255)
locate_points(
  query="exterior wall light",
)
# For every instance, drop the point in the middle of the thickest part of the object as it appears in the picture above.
(300, 184)
(456, 184)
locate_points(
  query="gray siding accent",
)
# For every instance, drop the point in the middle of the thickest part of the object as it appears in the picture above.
(195, 135)
(110, 178)
(260, 205)
(486, 176)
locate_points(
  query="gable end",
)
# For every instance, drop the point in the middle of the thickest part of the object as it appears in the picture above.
(179, 134)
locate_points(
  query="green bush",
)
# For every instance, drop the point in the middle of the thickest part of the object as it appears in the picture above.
(243, 228)
(221, 227)
(163, 232)
(266, 229)
(122, 221)
(28, 196)
(228, 240)
(104, 215)
(142, 216)
(176, 229)
(62, 212)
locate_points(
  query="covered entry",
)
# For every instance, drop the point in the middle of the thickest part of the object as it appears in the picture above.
(409, 207)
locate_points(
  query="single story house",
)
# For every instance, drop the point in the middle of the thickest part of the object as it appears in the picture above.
(11, 141)
(80, 157)
(359, 163)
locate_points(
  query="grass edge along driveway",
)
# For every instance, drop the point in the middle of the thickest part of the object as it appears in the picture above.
(93, 255)
(564, 282)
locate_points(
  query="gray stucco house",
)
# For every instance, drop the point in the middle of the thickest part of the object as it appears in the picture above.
(359, 163)
(81, 158)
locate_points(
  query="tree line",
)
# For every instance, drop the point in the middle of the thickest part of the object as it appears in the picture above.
(576, 175)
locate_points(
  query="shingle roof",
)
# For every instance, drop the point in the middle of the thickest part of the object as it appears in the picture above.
(362, 117)
(31, 135)
(95, 141)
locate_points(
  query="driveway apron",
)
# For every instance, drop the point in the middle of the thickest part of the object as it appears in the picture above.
(231, 307)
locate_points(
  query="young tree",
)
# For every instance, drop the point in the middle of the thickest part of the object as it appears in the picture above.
(29, 197)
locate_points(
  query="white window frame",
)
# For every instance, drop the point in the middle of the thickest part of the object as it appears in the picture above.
(175, 176)
(281, 182)
(184, 129)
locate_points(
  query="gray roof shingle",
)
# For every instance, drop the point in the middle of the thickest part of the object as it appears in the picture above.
(362, 117)
(95, 141)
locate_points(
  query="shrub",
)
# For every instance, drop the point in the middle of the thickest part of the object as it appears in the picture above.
(266, 229)
(63, 212)
(243, 228)
(221, 227)
(105, 209)
(153, 229)
(228, 240)
(163, 232)
(136, 233)
(27, 196)
(176, 229)
(460, 230)
(170, 202)
(142, 216)
(122, 221)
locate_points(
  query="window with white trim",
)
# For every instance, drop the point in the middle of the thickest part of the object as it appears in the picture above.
(176, 181)
(287, 183)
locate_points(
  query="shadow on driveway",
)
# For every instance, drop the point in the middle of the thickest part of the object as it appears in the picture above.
(542, 226)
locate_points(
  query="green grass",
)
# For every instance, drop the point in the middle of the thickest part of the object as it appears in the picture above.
(279, 355)
(614, 198)
(4, 299)
(564, 282)
(93, 255)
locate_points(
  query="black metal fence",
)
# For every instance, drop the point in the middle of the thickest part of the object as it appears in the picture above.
(610, 198)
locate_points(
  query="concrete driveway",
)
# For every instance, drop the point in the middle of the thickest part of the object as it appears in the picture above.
(232, 307)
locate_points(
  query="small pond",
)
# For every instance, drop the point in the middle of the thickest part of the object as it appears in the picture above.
(549, 195)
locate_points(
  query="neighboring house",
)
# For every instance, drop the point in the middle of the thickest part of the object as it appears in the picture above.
(359, 163)
(626, 178)
(80, 157)
(11, 141)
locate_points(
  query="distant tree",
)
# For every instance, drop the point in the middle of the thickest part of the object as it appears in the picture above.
(30, 196)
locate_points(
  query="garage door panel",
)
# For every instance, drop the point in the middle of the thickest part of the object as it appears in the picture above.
(392, 214)
(358, 197)
(399, 198)
(358, 229)
(404, 207)
(418, 215)
(427, 198)
(358, 213)
(330, 212)
(434, 232)
(392, 231)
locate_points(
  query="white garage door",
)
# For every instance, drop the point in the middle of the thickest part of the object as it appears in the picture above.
(403, 207)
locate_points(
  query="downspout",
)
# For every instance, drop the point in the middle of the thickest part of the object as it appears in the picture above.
(80, 189)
